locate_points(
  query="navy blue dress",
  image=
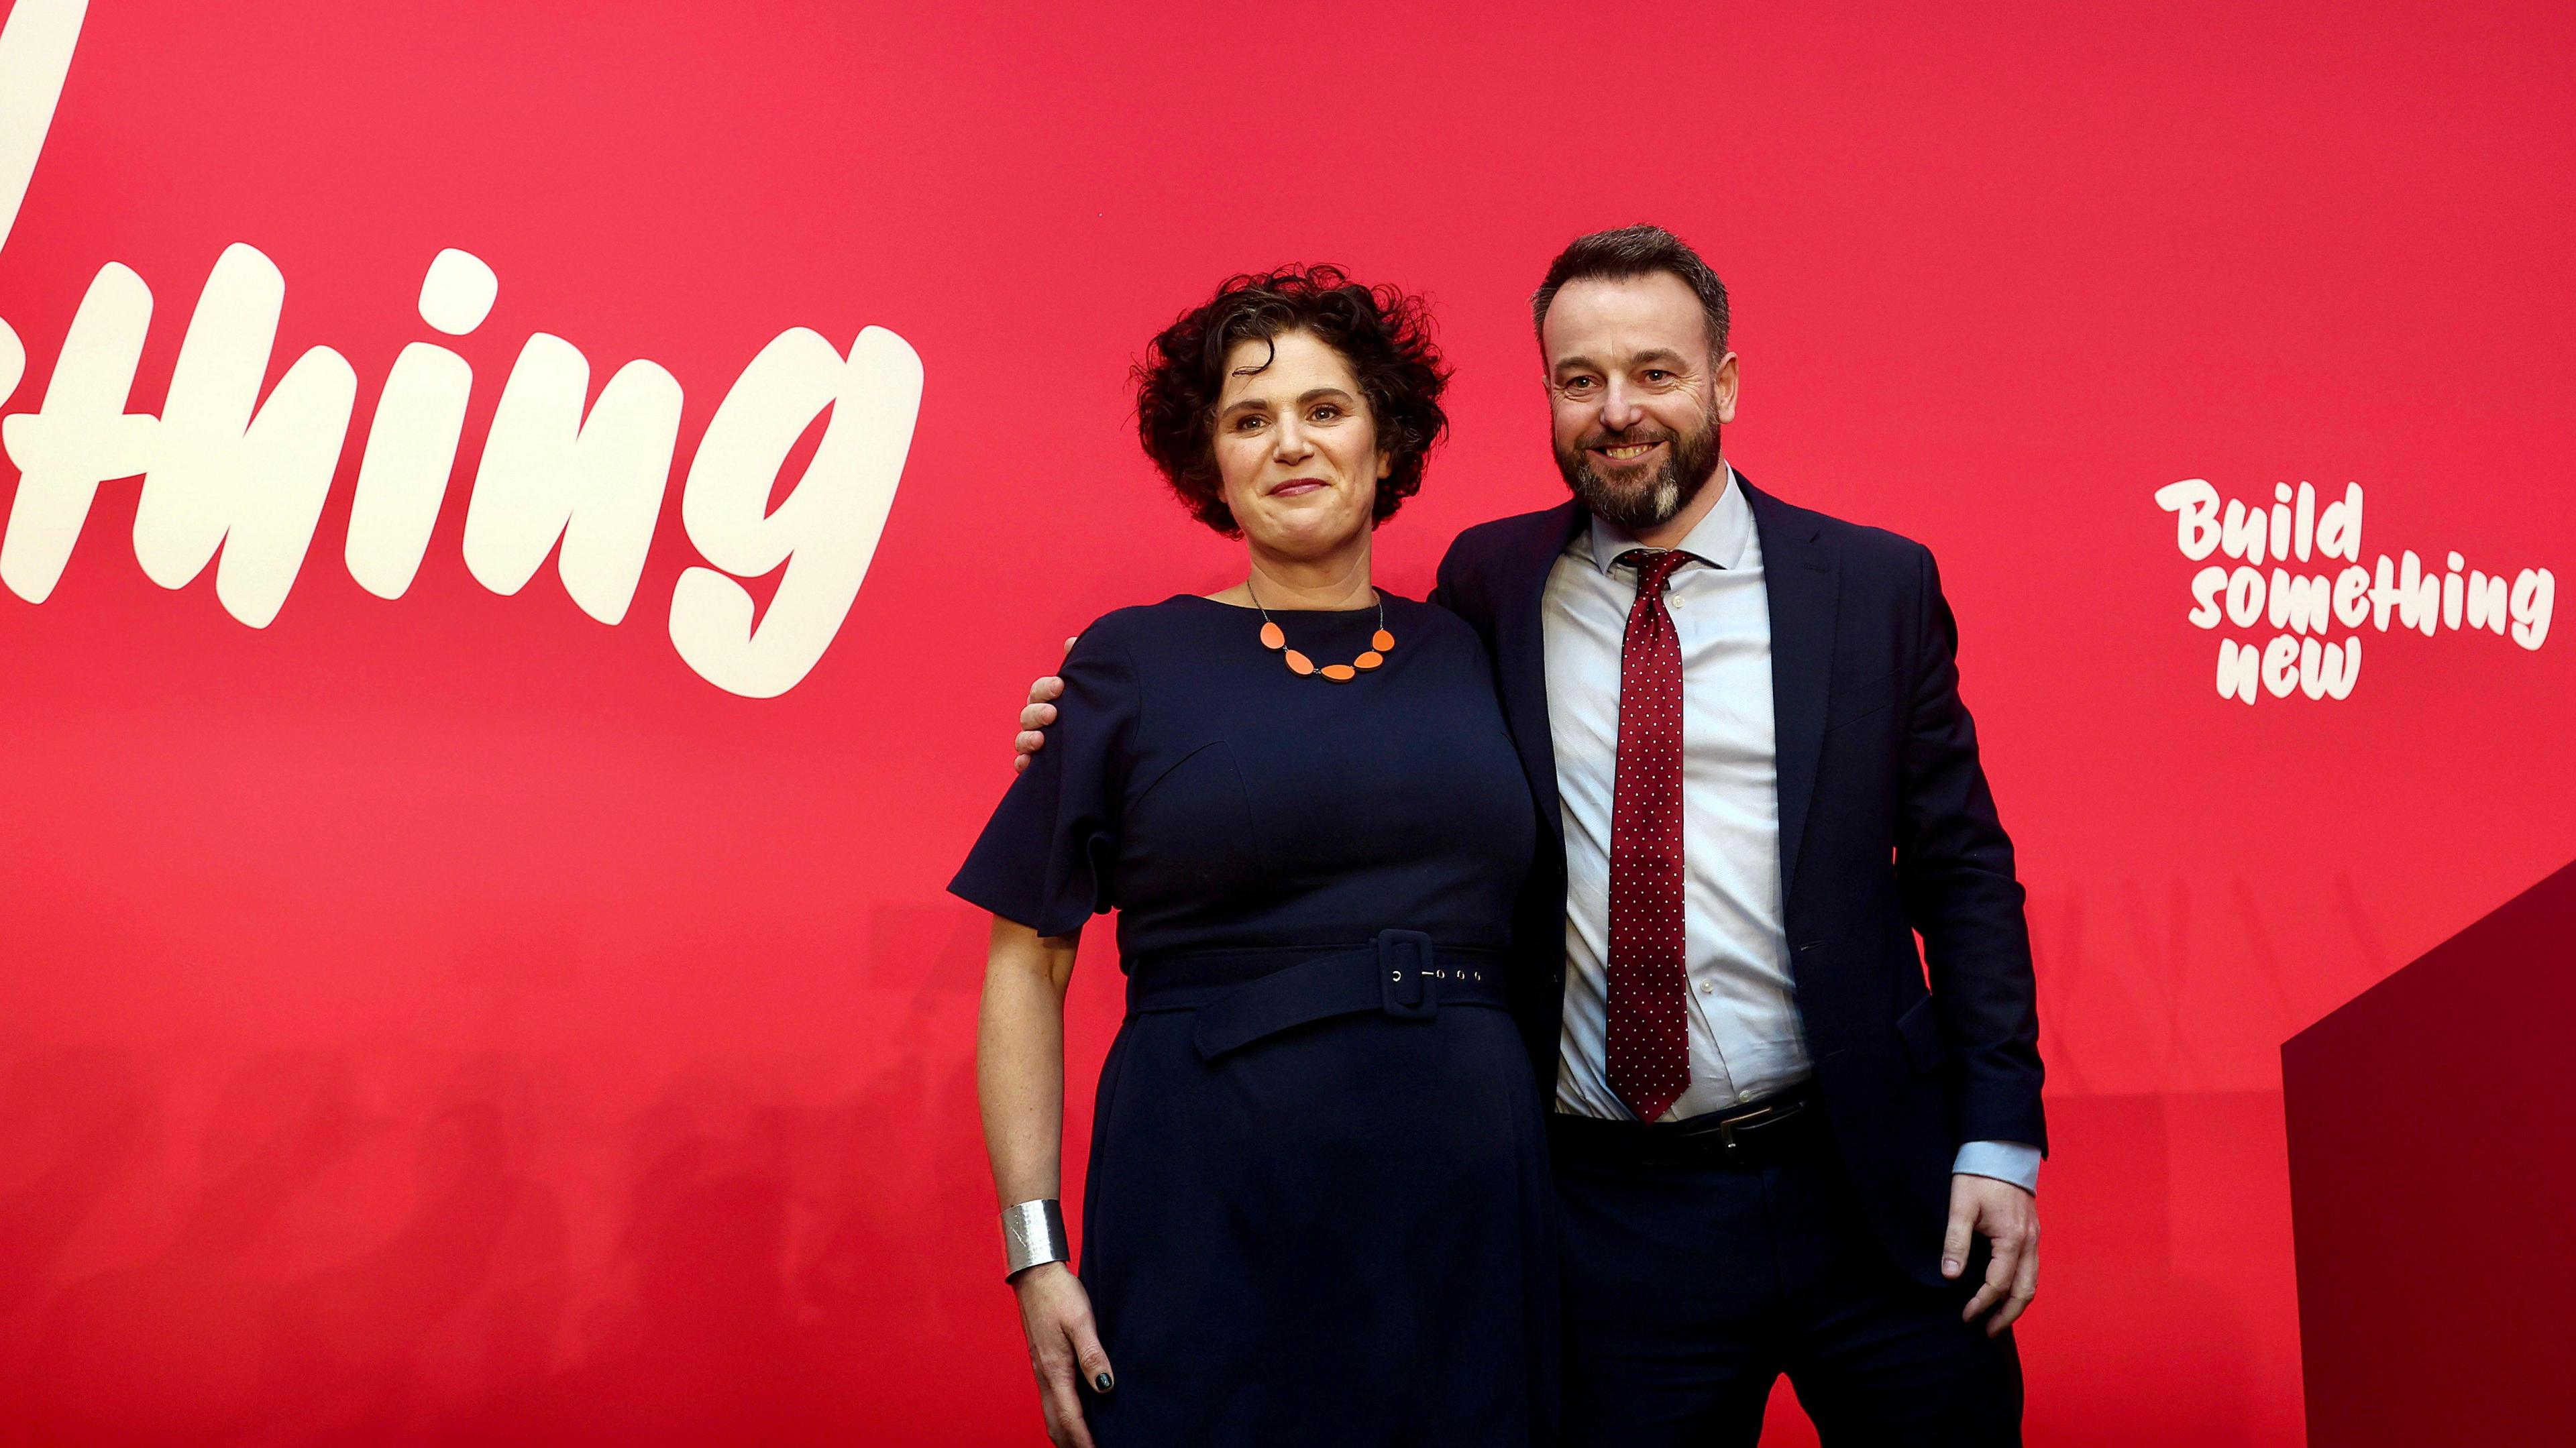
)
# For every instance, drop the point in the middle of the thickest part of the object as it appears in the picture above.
(1318, 1201)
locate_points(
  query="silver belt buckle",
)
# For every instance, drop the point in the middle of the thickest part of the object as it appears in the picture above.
(1763, 1116)
(1726, 1136)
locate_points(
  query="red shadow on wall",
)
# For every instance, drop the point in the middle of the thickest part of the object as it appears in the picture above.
(2432, 1131)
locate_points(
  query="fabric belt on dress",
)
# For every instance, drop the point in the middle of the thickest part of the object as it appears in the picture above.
(1242, 996)
(1777, 1128)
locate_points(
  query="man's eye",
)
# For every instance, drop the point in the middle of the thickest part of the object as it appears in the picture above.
(1578, 384)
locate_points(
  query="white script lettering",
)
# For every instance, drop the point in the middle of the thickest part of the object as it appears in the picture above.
(2303, 607)
(227, 475)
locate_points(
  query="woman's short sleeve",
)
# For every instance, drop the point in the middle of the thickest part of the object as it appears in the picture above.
(1047, 857)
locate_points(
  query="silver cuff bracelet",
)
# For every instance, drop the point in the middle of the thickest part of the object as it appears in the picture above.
(1033, 1233)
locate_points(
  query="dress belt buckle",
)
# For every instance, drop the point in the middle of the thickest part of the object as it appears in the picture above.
(1764, 1116)
(1394, 947)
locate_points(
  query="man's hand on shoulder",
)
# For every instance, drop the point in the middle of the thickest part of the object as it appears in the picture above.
(1036, 717)
(2008, 1217)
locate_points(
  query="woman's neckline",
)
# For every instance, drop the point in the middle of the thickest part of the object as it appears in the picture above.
(1249, 608)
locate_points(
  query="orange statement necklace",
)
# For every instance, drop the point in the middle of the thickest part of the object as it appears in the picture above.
(1275, 638)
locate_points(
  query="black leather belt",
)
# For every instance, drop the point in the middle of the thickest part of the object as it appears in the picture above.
(1777, 1128)
(1242, 996)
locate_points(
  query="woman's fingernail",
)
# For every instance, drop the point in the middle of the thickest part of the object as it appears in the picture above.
(1101, 1382)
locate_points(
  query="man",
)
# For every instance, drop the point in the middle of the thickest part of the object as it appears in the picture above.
(1776, 1150)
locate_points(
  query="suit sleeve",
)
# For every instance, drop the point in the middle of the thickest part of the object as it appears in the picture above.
(1954, 865)
(1444, 588)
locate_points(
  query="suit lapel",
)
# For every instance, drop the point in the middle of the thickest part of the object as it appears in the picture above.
(1520, 651)
(1801, 577)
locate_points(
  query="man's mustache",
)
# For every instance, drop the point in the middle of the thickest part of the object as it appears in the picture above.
(1630, 438)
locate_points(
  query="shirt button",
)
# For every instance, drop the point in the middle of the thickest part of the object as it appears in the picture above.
(1743, 1095)
(1705, 987)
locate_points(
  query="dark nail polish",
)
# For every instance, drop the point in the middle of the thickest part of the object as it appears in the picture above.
(1101, 1382)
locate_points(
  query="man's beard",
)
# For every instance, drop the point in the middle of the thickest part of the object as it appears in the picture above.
(1690, 460)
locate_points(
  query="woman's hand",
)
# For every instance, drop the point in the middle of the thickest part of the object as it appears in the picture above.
(1064, 1348)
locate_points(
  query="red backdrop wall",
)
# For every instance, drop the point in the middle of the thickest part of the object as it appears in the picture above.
(452, 1018)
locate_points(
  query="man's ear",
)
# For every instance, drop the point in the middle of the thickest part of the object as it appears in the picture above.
(1723, 384)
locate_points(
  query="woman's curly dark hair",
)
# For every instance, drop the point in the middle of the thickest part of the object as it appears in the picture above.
(1384, 334)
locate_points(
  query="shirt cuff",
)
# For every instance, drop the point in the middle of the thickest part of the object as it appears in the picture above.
(2005, 1161)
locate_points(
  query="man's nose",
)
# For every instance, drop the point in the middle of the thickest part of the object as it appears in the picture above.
(1619, 409)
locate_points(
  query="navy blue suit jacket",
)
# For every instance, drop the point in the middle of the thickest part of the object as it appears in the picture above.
(1887, 831)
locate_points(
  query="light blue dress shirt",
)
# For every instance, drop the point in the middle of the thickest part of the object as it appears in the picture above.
(1746, 1040)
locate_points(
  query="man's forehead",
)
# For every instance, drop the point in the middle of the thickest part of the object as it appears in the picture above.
(1614, 320)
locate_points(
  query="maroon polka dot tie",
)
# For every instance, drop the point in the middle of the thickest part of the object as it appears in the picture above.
(1648, 1049)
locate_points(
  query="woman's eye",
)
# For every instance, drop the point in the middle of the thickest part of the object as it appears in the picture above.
(1246, 424)
(1327, 413)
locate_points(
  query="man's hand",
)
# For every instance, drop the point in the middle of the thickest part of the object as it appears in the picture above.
(1036, 717)
(2008, 1217)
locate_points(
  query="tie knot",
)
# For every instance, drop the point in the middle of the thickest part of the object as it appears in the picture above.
(1654, 566)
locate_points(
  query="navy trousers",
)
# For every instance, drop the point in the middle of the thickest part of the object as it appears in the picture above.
(1689, 1289)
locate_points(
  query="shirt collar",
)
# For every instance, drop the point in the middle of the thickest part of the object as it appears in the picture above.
(1719, 537)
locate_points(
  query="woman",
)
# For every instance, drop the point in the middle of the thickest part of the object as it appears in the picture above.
(1316, 1210)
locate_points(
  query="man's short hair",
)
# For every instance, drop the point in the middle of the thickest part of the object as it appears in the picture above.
(1634, 251)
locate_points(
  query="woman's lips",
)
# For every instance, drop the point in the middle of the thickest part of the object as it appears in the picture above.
(1295, 487)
